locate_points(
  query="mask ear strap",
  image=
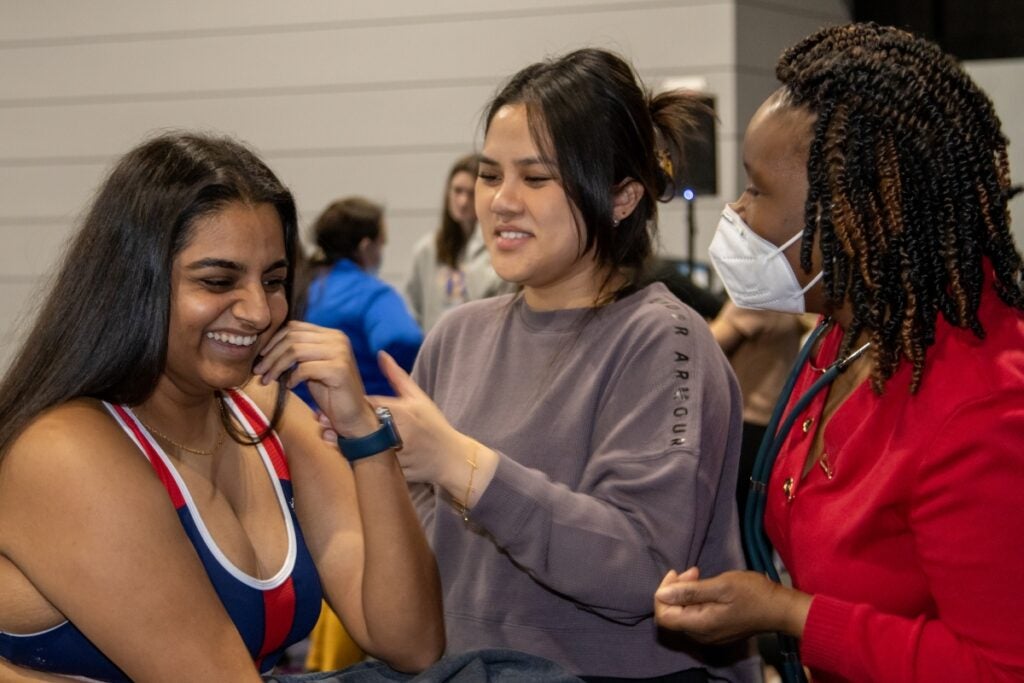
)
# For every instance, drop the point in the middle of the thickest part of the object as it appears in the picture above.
(785, 245)
(813, 281)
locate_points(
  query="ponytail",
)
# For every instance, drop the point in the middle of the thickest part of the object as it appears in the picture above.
(675, 114)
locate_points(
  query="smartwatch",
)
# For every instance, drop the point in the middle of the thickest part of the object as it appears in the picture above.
(375, 442)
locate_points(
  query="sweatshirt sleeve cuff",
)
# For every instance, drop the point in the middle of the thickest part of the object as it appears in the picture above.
(826, 633)
(502, 509)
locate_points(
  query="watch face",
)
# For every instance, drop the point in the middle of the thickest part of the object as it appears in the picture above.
(387, 421)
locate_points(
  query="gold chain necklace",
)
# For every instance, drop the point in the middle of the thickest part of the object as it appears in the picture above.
(157, 432)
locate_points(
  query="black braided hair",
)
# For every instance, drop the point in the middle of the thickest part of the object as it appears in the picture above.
(908, 187)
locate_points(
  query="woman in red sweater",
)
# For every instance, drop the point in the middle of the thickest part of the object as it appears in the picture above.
(877, 196)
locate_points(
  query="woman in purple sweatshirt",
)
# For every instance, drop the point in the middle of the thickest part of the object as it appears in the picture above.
(580, 437)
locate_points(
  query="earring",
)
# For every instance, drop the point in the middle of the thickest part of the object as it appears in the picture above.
(615, 222)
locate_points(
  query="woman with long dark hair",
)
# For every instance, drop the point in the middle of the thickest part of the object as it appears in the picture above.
(155, 524)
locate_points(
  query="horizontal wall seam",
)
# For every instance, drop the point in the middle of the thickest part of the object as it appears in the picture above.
(248, 93)
(8, 222)
(318, 89)
(350, 24)
(37, 221)
(267, 153)
(6, 279)
(783, 8)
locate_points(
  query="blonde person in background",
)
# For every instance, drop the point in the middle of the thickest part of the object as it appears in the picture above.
(451, 265)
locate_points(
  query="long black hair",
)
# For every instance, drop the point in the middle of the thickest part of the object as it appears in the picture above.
(102, 330)
(451, 238)
(908, 187)
(589, 110)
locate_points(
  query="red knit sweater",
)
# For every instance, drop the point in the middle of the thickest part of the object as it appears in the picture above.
(914, 548)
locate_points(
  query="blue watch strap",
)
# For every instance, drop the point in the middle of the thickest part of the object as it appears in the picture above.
(373, 443)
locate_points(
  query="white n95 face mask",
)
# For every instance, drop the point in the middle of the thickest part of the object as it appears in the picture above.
(754, 271)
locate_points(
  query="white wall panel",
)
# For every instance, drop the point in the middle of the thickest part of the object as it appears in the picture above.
(30, 250)
(51, 20)
(1003, 81)
(354, 97)
(822, 9)
(402, 182)
(49, 191)
(408, 53)
(765, 30)
(17, 297)
(314, 123)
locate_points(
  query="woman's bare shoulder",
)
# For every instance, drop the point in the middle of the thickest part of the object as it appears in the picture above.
(79, 425)
(77, 441)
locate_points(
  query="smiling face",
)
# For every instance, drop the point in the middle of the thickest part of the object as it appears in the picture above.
(227, 297)
(528, 222)
(775, 152)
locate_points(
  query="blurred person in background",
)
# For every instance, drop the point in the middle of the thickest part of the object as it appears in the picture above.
(451, 265)
(346, 294)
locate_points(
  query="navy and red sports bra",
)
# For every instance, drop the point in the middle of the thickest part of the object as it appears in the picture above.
(270, 614)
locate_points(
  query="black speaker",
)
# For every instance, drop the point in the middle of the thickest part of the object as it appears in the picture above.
(699, 172)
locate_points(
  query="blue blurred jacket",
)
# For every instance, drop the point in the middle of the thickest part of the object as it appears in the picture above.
(371, 313)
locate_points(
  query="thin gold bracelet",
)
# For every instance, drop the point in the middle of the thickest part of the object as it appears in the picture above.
(469, 486)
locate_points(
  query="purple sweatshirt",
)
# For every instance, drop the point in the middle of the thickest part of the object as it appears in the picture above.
(618, 435)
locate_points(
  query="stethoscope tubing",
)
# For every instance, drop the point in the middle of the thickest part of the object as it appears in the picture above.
(759, 548)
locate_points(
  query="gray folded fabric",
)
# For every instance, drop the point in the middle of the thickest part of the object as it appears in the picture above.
(478, 666)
